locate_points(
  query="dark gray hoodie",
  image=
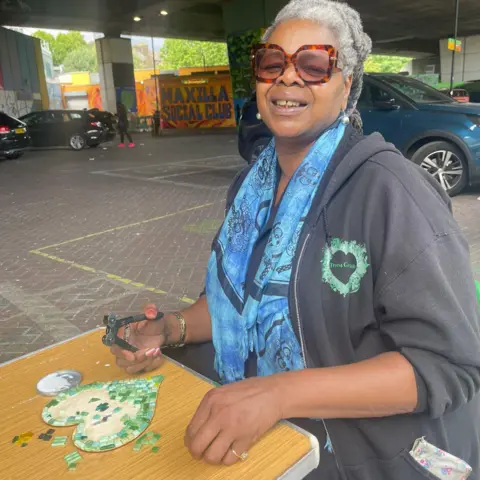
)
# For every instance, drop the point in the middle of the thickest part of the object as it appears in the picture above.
(382, 266)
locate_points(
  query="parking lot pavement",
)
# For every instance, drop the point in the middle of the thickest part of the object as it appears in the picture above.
(86, 233)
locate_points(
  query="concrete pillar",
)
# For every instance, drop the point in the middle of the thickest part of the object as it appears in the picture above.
(467, 62)
(117, 79)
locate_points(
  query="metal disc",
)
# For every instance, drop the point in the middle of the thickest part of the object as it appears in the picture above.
(58, 382)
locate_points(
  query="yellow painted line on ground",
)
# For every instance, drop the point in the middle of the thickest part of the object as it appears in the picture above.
(130, 225)
(111, 276)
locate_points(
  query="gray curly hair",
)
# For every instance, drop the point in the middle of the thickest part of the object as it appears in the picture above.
(345, 23)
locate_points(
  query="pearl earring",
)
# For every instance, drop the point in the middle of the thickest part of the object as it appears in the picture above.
(345, 118)
(259, 116)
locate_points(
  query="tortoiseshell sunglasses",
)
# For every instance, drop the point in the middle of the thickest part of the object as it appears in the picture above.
(314, 64)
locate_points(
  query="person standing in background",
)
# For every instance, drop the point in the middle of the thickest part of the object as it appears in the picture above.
(122, 115)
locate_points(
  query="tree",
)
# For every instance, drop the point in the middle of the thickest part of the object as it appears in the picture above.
(65, 43)
(45, 36)
(185, 53)
(83, 59)
(385, 64)
(62, 44)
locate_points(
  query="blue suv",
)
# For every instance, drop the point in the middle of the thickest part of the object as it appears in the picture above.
(431, 129)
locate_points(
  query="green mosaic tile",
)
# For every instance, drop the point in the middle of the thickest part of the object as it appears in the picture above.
(155, 449)
(59, 442)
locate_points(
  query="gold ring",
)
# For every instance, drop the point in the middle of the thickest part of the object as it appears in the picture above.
(242, 457)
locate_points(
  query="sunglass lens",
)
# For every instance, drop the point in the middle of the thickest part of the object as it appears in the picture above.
(269, 63)
(313, 65)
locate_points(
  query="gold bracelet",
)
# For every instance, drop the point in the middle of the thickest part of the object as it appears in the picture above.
(183, 332)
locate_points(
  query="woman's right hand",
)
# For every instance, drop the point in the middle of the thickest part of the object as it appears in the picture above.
(148, 336)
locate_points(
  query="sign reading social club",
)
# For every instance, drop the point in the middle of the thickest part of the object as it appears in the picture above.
(197, 102)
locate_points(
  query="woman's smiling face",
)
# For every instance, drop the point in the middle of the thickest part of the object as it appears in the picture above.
(320, 105)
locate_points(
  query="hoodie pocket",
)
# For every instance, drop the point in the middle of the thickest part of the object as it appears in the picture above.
(423, 462)
(438, 462)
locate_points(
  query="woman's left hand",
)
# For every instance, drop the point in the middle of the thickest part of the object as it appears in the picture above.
(233, 417)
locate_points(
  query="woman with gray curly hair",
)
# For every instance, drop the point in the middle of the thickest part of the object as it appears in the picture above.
(339, 289)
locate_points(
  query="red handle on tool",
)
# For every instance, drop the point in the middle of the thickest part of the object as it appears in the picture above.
(151, 311)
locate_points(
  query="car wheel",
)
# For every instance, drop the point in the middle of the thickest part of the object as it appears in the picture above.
(77, 141)
(446, 163)
(256, 150)
(14, 156)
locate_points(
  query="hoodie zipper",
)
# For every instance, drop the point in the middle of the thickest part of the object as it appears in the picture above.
(300, 333)
(295, 299)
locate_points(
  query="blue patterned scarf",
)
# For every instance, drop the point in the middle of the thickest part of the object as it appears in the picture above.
(261, 322)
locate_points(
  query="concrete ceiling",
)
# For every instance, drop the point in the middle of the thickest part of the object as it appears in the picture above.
(395, 25)
(195, 19)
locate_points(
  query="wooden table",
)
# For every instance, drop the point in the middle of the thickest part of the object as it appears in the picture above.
(286, 452)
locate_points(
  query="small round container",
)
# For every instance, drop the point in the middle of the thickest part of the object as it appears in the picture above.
(58, 382)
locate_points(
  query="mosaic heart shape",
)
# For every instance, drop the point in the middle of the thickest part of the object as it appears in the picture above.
(107, 415)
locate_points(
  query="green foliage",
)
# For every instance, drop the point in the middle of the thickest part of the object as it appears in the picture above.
(65, 44)
(385, 64)
(185, 53)
(83, 59)
(240, 48)
(62, 45)
(47, 37)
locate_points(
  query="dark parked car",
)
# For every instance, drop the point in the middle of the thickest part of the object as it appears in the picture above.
(433, 130)
(14, 139)
(73, 128)
(108, 119)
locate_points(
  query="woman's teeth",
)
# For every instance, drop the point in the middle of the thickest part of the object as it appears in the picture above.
(286, 104)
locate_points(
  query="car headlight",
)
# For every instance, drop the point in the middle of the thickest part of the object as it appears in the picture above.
(475, 119)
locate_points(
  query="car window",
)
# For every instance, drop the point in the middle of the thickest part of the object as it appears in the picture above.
(56, 117)
(372, 94)
(365, 98)
(49, 117)
(75, 116)
(35, 118)
(415, 90)
(378, 94)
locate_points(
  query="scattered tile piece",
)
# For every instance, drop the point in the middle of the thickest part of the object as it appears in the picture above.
(24, 444)
(72, 460)
(50, 431)
(102, 407)
(59, 442)
(15, 439)
(94, 399)
(155, 449)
